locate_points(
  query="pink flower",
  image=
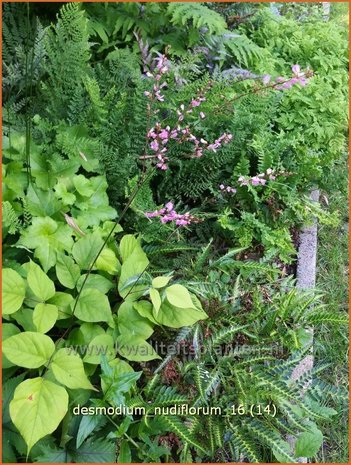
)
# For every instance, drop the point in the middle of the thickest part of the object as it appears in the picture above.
(154, 145)
(163, 134)
(296, 69)
(266, 79)
(169, 206)
(222, 186)
(255, 181)
(195, 103)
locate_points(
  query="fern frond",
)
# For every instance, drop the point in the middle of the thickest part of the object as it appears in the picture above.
(244, 443)
(271, 438)
(175, 425)
(198, 15)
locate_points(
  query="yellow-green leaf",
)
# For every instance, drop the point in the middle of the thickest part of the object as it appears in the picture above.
(28, 349)
(40, 283)
(93, 306)
(155, 299)
(179, 296)
(13, 291)
(108, 261)
(37, 408)
(160, 281)
(68, 369)
(44, 317)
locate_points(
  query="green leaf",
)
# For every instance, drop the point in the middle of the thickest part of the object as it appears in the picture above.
(138, 350)
(42, 203)
(95, 281)
(8, 330)
(13, 291)
(133, 267)
(127, 245)
(44, 317)
(83, 185)
(63, 302)
(87, 425)
(68, 369)
(95, 451)
(47, 238)
(176, 317)
(28, 349)
(108, 262)
(160, 281)
(37, 408)
(308, 443)
(102, 344)
(93, 306)
(40, 283)
(67, 271)
(86, 249)
(144, 308)
(156, 300)
(179, 296)
(130, 322)
(90, 330)
(125, 455)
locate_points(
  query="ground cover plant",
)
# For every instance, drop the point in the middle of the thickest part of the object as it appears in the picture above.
(157, 164)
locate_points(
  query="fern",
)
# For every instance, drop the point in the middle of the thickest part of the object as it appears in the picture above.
(10, 221)
(244, 444)
(272, 438)
(198, 15)
(177, 426)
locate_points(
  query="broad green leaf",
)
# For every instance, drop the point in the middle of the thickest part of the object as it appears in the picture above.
(90, 330)
(108, 261)
(131, 271)
(68, 369)
(42, 202)
(94, 210)
(308, 443)
(95, 281)
(13, 291)
(62, 193)
(127, 245)
(24, 318)
(83, 185)
(67, 271)
(160, 281)
(93, 306)
(176, 317)
(37, 408)
(63, 302)
(131, 323)
(179, 296)
(40, 283)
(100, 345)
(86, 249)
(144, 308)
(136, 350)
(8, 330)
(47, 238)
(28, 349)
(155, 299)
(44, 317)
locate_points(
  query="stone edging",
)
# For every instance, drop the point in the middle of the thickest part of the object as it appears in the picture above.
(306, 279)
